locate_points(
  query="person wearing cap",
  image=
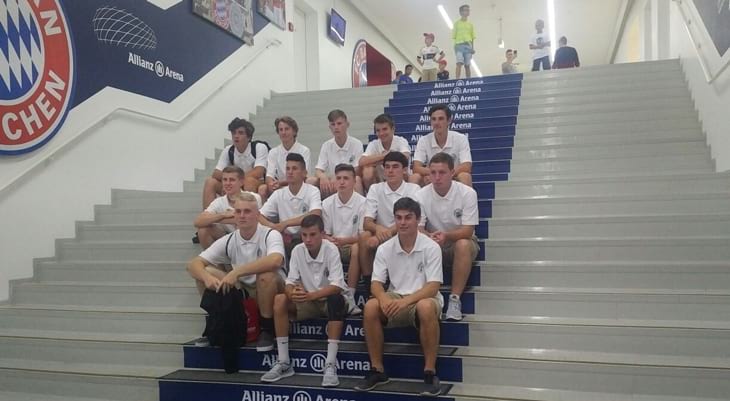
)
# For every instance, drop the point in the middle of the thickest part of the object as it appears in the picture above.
(427, 58)
(443, 73)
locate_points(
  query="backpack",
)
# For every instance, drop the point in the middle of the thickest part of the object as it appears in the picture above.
(253, 150)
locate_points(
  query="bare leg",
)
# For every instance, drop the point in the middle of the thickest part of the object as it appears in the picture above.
(458, 70)
(267, 286)
(462, 265)
(368, 176)
(353, 271)
(373, 324)
(251, 184)
(282, 310)
(428, 332)
(467, 70)
(208, 235)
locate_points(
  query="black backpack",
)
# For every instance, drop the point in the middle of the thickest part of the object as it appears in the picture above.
(253, 150)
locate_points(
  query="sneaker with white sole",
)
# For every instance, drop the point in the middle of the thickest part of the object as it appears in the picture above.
(277, 372)
(352, 308)
(330, 378)
(453, 312)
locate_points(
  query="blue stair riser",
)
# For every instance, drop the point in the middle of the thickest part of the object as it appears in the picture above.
(428, 99)
(467, 299)
(466, 82)
(468, 123)
(458, 90)
(401, 366)
(452, 333)
(487, 132)
(485, 209)
(475, 274)
(463, 115)
(488, 166)
(196, 391)
(457, 107)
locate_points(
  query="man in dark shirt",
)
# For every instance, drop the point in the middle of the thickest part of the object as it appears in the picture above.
(566, 56)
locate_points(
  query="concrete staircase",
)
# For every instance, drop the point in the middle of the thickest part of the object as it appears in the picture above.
(108, 315)
(607, 272)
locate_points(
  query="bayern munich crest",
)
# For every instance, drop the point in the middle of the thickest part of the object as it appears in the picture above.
(36, 73)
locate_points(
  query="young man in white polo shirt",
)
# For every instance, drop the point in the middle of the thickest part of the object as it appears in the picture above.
(288, 130)
(343, 215)
(243, 157)
(442, 140)
(289, 205)
(371, 161)
(379, 223)
(255, 257)
(411, 262)
(450, 214)
(313, 289)
(342, 148)
(219, 219)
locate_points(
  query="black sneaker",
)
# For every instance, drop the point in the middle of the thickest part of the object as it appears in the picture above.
(431, 383)
(265, 342)
(372, 379)
(196, 240)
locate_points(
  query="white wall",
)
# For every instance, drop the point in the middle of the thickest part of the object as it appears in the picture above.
(133, 152)
(670, 39)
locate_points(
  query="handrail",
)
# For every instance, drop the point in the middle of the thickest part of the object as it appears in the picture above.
(687, 20)
(71, 141)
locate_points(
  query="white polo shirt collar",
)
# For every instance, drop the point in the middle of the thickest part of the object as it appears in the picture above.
(400, 191)
(449, 141)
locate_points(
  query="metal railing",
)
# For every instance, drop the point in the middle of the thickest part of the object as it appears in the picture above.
(68, 144)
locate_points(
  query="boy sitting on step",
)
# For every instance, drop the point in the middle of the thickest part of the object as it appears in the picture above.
(450, 214)
(411, 261)
(371, 161)
(219, 219)
(343, 215)
(342, 148)
(313, 289)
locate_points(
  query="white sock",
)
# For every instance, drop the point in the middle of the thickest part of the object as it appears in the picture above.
(282, 344)
(332, 346)
(454, 297)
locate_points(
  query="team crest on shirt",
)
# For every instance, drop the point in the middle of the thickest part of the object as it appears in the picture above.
(304, 208)
(36, 73)
(420, 267)
(352, 159)
(354, 220)
(259, 252)
(458, 213)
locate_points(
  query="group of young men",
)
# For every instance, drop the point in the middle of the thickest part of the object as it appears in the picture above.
(284, 237)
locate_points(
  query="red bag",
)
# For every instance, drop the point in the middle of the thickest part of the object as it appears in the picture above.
(252, 315)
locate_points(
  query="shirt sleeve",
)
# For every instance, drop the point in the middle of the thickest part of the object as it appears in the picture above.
(270, 209)
(306, 154)
(421, 155)
(322, 162)
(361, 217)
(326, 216)
(371, 204)
(223, 159)
(370, 150)
(315, 199)
(418, 197)
(380, 270)
(215, 207)
(262, 156)
(271, 163)
(465, 151)
(434, 269)
(470, 213)
(294, 275)
(274, 243)
(336, 274)
(216, 253)
(400, 144)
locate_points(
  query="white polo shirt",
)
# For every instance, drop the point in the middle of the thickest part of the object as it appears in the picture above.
(381, 199)
(244, 160)
(399, 144)
(330, 154)
(409, 272)
(457, 145)
(457, 208)
(316, 273)
(276, 163)
(284, 205)
(221, 205)
(241, 251)
(343, 220)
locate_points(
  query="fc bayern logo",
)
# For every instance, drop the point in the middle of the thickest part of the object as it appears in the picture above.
(359, 65)
(36, 73)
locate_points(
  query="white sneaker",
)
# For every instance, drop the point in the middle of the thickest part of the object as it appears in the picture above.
(330, 378)
(352, 308)
(278, 371)
(453, 312)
